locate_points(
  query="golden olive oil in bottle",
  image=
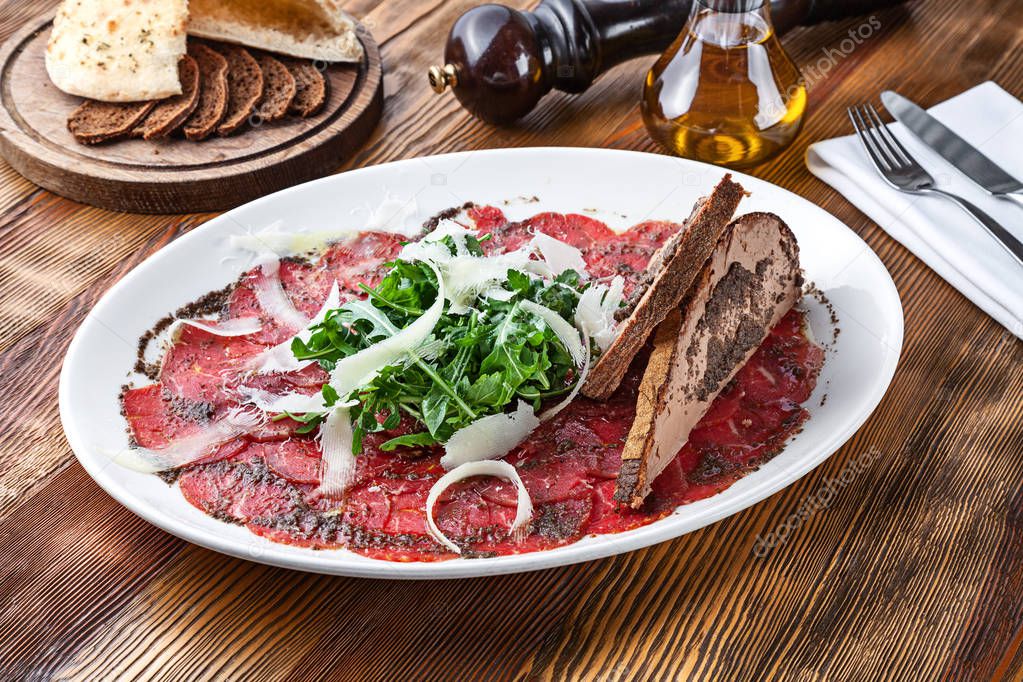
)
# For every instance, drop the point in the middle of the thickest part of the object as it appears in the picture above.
(725, 92)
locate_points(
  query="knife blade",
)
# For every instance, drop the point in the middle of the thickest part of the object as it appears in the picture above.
(950, 146)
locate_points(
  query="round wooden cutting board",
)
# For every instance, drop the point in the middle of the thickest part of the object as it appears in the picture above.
(176, 175)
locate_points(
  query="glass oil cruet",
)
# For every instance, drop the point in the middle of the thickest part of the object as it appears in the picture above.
(725, 92)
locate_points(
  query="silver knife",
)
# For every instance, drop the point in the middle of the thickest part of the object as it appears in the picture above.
(953, 148)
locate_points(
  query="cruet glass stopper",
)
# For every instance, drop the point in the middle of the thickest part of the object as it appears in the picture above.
(725, 91)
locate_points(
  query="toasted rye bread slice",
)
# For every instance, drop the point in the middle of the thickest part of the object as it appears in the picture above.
(750, 282)
(212, 92)
(278, 91)
(94, 122)
(311, 88)
(168, 115)
(244, 87)
(670, 273)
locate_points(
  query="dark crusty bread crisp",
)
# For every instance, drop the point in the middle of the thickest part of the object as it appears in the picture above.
(244, 87)
(212, 103)
(168, 115)
(311, 87)
(669, 275)
(751, 280)
(94, 122)
(279, 89)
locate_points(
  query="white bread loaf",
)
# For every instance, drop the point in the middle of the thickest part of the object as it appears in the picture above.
(312, 29)
(118, 50)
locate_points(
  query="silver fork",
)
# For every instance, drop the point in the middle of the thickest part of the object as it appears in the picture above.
(901, 171)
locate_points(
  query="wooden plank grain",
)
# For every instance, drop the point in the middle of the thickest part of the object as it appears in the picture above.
(58, 589)
(266, 622)
(13, 188)
(914, 568)
(58, 276)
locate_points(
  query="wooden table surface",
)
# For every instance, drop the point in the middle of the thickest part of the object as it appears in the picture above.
(915, 568)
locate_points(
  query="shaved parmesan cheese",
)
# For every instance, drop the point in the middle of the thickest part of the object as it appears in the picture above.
(595, 314)
(280, 358)
(490, 437)
(499, 294)
(359, 369)
(273, 299)
(807, 331)
(524, 511)
(186, 450)
(538, 268)
(337, 468)
(585, 372)
(467, 277)
(270, 403)
(239, 326)
(457, 232)
(273, 241)
(559, 255)
(566, 333)
(429, 350)
(355, 370)
(426, 251)
(393, 214)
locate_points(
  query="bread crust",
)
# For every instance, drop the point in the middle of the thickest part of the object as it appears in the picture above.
(750, 282)
(244, 87)
(212, 103)
(278, 91)
(310, 88)
(94, 122)
(168, 115)
(670, 274)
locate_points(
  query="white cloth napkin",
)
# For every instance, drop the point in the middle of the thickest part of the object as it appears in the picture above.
(941, 234)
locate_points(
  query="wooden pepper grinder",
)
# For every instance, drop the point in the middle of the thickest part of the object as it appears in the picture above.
(500, 62)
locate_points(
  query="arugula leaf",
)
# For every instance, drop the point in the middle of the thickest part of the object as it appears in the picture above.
(474, 364)
(435, 409)
(410, 440)
(491, 390)
(519, 282)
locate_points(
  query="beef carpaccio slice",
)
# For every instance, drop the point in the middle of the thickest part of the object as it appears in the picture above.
(267, 479)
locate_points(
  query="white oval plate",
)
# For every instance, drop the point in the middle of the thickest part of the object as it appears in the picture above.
(619, 187)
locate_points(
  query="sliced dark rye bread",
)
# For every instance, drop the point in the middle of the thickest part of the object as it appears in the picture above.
(212, 92)
(310, 87)
(750, 282)
(94, 122)
(669, 275)
(278, 91)
(168, 115)
(244, 87)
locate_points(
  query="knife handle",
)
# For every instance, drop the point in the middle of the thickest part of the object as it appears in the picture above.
(1004, 237)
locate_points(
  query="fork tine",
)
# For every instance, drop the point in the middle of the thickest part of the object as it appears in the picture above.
(893, 161)
(894, 146)
(867, 142)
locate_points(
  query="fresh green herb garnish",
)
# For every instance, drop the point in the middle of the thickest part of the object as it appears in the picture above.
(473, 365)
